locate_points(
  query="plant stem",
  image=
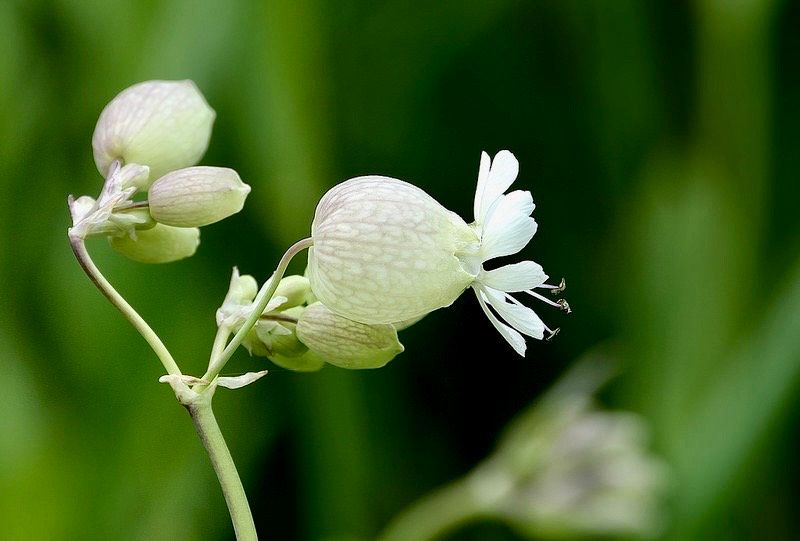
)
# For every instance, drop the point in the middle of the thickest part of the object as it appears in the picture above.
(262, 299)
(94, 274)
(207, 428)
(220, 339)
(442, 511)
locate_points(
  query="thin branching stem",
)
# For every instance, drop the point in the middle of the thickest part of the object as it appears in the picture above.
(262, 299)
(82, 254)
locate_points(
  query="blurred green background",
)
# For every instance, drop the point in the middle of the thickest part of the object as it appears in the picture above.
(659, 140)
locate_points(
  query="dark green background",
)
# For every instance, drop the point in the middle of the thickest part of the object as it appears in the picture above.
(659, 140)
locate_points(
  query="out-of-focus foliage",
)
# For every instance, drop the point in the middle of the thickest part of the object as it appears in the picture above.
(658, 139)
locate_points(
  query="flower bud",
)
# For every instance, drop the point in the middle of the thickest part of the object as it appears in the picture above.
(344, 342)
(279, 335)
(307, 362)
(277, 340)
(164, 125)
(197, 196)
(242, 289)
(79, 208)
(295, 288)
(160, 244)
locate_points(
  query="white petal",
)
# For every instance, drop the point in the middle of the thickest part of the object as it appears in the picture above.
(516, 277)
(518, 316)
(520, 201)
(502, 173)
(512, 337)
(508, 230)
(483, 177)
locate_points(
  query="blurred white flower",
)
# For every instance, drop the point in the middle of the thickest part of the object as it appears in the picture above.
(567, 469)
(385, 251)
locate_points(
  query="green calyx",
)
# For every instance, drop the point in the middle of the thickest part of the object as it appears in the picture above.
(346, 343)
(159, 244)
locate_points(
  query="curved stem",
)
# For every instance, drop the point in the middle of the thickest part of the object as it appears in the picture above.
(442, 511)
(262, 299)
(94, 274)
(207, 428)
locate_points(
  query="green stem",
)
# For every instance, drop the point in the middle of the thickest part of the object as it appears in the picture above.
(223, 332)
(436, 514)
(94, 274)
(207, 428)
(262, 299)
(199, 406)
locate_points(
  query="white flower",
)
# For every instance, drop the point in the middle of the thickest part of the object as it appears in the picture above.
(567, 469)
(385, 251)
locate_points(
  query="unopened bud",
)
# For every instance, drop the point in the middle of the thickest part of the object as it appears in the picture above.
(295, 288)
(346, 343)
(164, 125)
(80, 207)
(279, 335)
(277, 339)
(160, 244)
(197, 196)
(242, 288)
(307, 362)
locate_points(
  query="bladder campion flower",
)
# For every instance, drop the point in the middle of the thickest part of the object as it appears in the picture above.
(385, 251)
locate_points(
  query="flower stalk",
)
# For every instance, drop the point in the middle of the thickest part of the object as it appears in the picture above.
(82, 255)
(198, 405)
(211, 436)
(262, 299)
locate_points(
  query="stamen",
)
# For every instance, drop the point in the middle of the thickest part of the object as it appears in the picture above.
(555, 290)
(543, 298)
(552, 333)
(564, 305)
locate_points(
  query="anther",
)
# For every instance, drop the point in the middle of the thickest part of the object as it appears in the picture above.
(559, 288)
(553, 333)
(564, 305)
